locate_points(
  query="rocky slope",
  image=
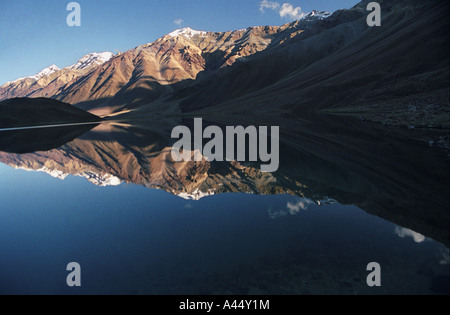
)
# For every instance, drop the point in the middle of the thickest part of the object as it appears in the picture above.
(149, 72)
(49, 81)
(341, 64)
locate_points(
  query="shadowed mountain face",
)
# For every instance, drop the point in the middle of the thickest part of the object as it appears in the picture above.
(40, 139)
(26, 112)
(331, 160)
(342, 64)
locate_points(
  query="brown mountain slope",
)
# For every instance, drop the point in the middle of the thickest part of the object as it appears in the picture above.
(342, 64)
(145, 73)
(149, 72)
(48, 84)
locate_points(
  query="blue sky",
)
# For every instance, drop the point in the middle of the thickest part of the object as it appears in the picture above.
(34, 34)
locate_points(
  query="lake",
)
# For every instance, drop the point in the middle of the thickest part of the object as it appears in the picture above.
(110, 198)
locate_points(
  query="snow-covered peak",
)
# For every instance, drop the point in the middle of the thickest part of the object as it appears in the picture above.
(45, 72)
(102, 180)
(92, 59)
(196, 195)
(317, 15)
(54, 173)
(187, 32)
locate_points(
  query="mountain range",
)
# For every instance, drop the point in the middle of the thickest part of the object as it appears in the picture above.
(322, 62)
(47, 82)
(148, 71)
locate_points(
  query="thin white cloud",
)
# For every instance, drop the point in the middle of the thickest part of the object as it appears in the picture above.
(286, 10)
(445, 252)
(404, 232)
(265, 4)
(178, 22)
(295, 207)
(276, 213)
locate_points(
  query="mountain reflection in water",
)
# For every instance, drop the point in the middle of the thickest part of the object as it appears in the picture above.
(333, 160)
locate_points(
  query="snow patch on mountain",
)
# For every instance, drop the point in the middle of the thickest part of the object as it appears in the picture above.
(53, 173)
(196, 195)
(316, 15)
(101, 180)
(92, 59)
(45, 72)
(187, 32)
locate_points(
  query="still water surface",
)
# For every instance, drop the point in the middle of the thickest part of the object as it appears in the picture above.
(137, 224)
